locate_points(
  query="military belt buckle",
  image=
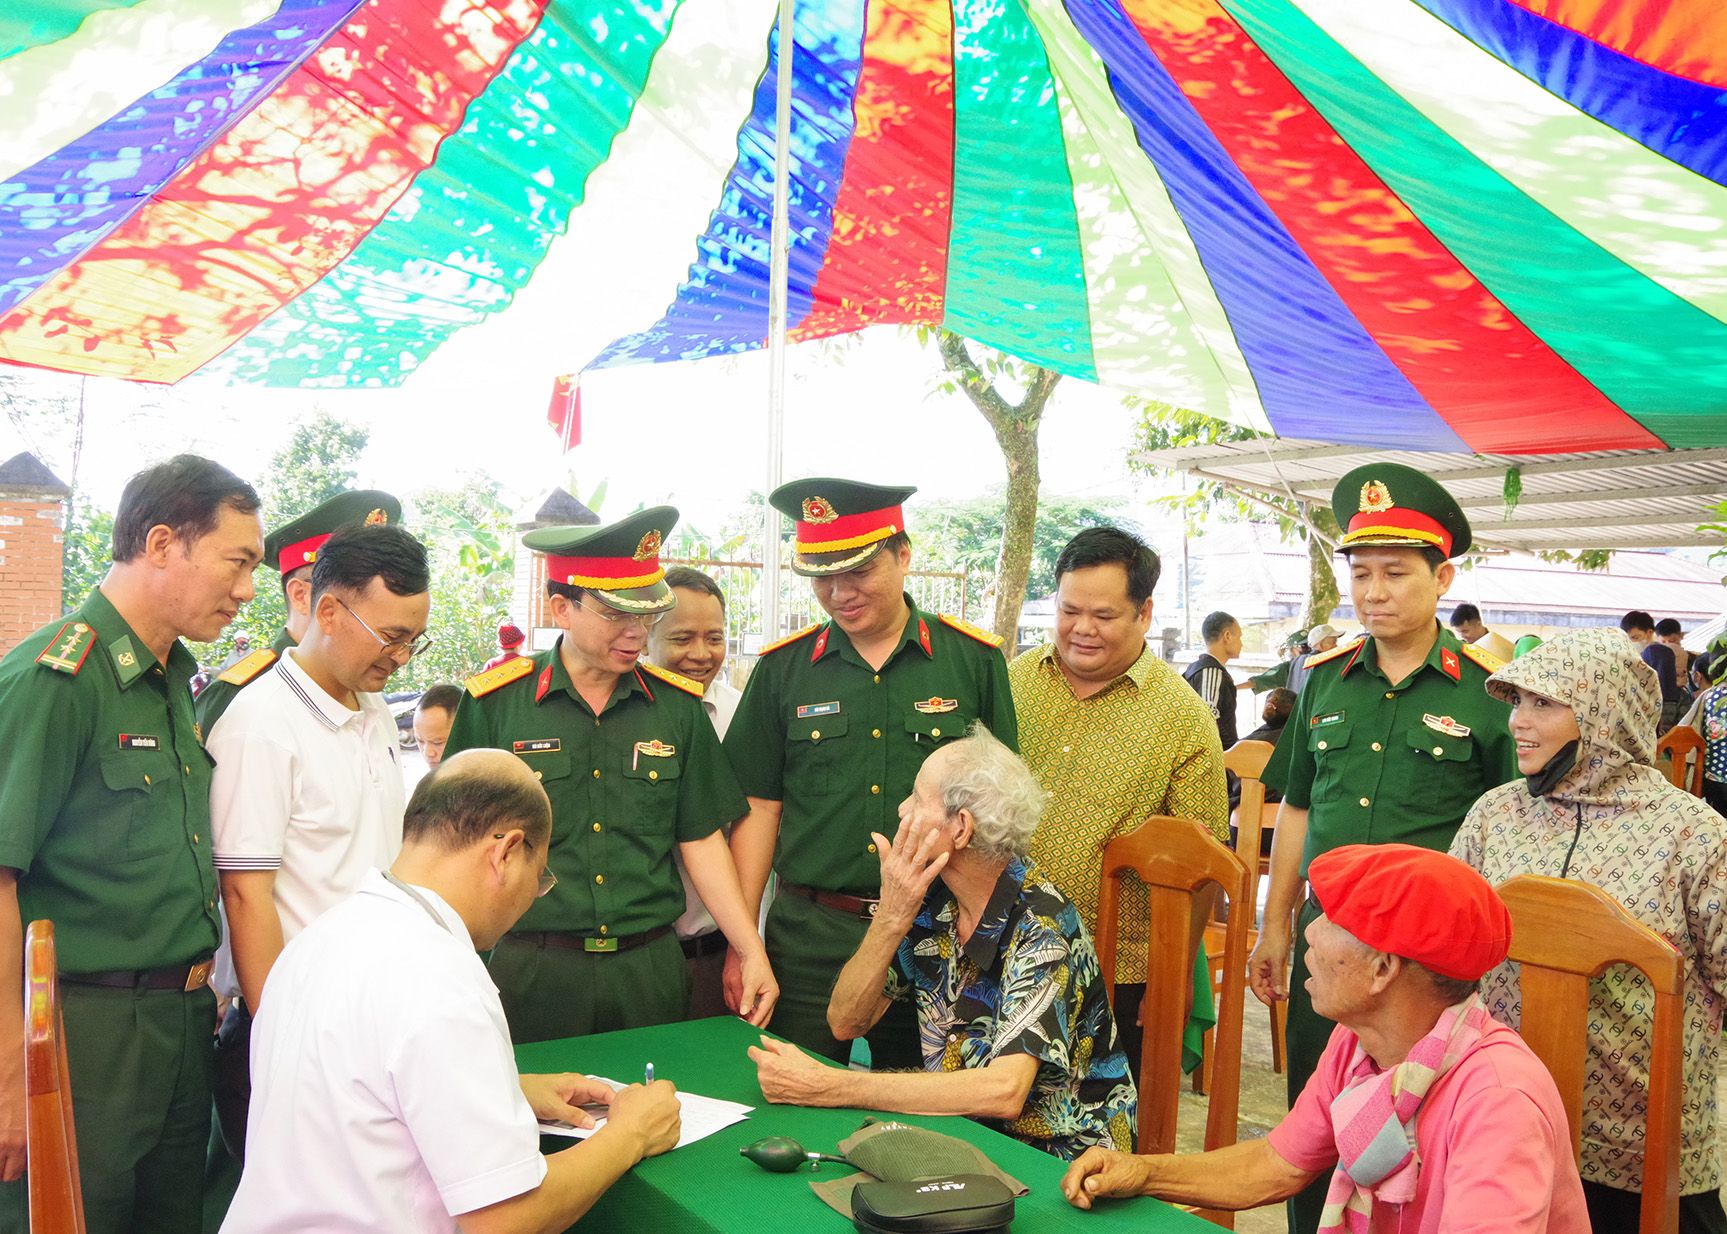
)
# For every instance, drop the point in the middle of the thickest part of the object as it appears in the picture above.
(867, 910)
(198, 975)
(599, 944)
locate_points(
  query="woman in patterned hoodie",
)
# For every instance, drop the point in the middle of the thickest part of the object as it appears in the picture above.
(1593, 807)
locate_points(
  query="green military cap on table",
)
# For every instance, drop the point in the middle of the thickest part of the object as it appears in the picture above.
(1388, 504)
(619, 562)
(297, 542)
(840, 524)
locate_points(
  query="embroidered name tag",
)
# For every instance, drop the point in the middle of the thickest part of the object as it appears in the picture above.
(1446, 725)
(809, 710)
(137, 741)
(540, 745)
(1330, 717)
(937, 705)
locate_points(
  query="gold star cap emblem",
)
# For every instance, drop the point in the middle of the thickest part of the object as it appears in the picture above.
(377, 518)
(818, 510)
(649, 548)
(1375, 498)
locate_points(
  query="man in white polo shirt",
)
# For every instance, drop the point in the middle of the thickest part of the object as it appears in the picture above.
(307, 795)
(386, 1096)
(691, 640)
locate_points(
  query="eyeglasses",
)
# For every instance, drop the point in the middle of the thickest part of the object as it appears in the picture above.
(548, 880)
(391, 648)
(646, 621)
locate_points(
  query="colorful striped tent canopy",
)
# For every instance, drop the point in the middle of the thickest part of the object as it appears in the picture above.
(1443, 225)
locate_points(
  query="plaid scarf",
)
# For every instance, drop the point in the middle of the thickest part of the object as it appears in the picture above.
(1372, 1119)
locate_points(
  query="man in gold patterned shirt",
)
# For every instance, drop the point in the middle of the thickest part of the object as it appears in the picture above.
(1114, 735)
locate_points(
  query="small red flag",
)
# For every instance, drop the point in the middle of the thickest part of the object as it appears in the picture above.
(565, 412)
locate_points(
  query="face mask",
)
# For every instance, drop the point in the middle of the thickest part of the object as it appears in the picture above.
(1545, 780)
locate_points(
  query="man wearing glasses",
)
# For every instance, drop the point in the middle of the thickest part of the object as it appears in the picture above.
(635, 773)
(308, 796)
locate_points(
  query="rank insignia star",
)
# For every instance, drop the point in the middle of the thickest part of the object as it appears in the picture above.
(1375, 498)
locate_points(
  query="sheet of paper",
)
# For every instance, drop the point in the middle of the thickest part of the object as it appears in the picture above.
(702, 1116)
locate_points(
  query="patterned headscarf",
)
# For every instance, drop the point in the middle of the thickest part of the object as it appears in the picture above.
(1598, 674)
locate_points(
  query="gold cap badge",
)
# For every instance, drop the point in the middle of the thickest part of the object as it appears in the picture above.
(817, 510)
(649, 548)
(1375, 498)
(377, 518)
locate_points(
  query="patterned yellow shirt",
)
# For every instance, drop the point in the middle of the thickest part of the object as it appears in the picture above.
(1145, 744)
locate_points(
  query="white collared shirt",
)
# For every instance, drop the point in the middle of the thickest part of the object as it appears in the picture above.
(385, 1095)
(307, 788)
(720, 701)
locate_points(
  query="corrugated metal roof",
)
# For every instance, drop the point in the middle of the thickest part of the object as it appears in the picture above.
(1618, 499)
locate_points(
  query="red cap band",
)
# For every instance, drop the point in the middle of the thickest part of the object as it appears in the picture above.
(849, 530)
(1399, 522)
(301, 552)
(604, 573)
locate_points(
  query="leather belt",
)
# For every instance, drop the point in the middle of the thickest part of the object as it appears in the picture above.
(711, 943)
(839, 901)
(182, 977)
(597, 946)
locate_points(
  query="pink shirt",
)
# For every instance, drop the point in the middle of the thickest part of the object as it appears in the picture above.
(1495, 1149)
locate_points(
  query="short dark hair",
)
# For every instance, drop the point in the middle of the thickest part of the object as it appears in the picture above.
(289, 576)
(454, 808)
(572, 594)
(1215, 626)
(1105, 546)
(185, 494)
(1668, 625)
(694, 580)
(1465, 612)
(895, 542)
(1452, 989)
(1636, 619)
(442, 695)
(354, 556)
(1279, 705)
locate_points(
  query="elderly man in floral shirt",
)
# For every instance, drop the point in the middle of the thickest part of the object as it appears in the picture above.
(1012, 1012)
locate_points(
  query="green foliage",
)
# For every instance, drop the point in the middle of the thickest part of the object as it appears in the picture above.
(1164, 426)
(966, 535)
(1589, 558)
(89, 545)
(468, 535)
(1513, 490)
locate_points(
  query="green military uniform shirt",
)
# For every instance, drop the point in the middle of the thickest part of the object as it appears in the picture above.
(839, 744)
(626, 786)
(105, 802)
(1377, 762)
(214, 698)
(1274, 678)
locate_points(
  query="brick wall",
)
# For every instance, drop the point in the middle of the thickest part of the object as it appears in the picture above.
(31, 551)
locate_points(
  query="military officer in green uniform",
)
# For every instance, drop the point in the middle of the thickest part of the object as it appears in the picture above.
(634, 770)
(1392, 739)
(290, 550)
(105, 832)
(829, 735)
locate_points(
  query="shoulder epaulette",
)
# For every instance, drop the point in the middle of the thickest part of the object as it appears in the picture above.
(242, 671)
(482, 684)
(677, 679)
(1486, 659)
(66, 651)
(789, 639)
(1320, 657)
(965, 627)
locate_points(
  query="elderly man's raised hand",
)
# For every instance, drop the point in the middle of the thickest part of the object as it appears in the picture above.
(908, 866)
(1100, 1173)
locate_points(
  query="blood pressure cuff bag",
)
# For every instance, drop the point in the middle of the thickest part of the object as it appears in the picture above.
(955, 1204)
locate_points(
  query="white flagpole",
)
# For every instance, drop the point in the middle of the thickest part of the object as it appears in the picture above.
(777, 277)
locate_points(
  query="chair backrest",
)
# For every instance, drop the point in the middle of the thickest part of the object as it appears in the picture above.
(1247, 759)
(1678, 746)
(1563, 933)
(1176, 858)
(51, 1149)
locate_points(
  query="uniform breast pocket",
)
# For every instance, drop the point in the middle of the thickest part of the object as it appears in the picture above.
(1324, 738)
(1442, 748)
(816, 753)
(933, 729)
(651, 796)
(548, 768)
(147, 803)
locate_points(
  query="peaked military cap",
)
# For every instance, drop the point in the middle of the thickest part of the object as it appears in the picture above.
(1390, 504)
(296, 543)
(841, 524)
(619, 562)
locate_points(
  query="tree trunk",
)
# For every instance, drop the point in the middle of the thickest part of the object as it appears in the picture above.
(1322, 596)
(1015, 427)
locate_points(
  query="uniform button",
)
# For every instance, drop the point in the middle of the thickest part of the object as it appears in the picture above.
(146, 778)
(875, 790)
(539, 775)
(603, 929)
(1377, 747)
(869, 848)
(653, 775)
(596, 826)
(1365, 802)
(875, 732)
(194, 839)
(935, 732)
(1322, 745)
(601, 878)
(186, 767)
(596, 773)
(212, 904)
(878, 679)
(815, 734)
(1391, 694)
(1438, 750)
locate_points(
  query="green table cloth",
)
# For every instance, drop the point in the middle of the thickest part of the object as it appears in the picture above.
(707, 1186)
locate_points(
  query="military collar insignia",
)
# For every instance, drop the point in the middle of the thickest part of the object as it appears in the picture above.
(1449, 664)
(648, 549)
(1375, 498)
(1446, 725)
(821, 645)
(543, 684)
(923, 638)
(819, 510)
(936, 705)
(126, 665)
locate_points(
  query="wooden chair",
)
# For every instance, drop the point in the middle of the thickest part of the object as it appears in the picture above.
(1177, 859)
(1253, 816)
(51, 1150)
(1682, 750)
(1564, 933)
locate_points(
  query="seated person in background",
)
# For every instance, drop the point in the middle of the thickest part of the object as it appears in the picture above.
(1430, 1114)
(1012, 1013)
(384, 1089)
(1593, 806)
(1279, 704)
